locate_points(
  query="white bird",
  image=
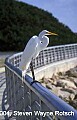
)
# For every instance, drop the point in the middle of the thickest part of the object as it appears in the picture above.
(33, 47)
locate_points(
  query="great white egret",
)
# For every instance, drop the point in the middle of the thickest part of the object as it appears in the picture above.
(32, 49)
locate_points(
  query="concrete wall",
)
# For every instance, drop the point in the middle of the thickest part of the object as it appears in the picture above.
(48, 70)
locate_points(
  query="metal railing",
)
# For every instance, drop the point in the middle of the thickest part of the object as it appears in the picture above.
(29, 98)
(49, 55)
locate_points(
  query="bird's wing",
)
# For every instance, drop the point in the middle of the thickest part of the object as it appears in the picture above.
(28, 53)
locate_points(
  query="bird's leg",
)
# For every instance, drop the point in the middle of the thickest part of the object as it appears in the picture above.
(31, 67)
(32, 70)
(23, 76)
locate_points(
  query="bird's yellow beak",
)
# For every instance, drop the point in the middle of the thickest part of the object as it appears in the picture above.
(51, 33)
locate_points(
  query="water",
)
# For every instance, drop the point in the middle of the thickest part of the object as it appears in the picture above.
(6, 54)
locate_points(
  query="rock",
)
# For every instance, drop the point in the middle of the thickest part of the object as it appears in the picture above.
(75, 82)
(64, 95)
(73, 103)
(55, 90)
(42, 80)
(54, 82)
(75, 68)
(62, 75)
(73, 79)
(44, 84)
(63, 83)
(55, 77)
(47, 80)
(70, 90)
(72, 73)
(60, 84)
(76, 96)
(49, 86)
(71, 97)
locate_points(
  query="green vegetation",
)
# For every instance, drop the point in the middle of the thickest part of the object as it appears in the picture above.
(20, 21)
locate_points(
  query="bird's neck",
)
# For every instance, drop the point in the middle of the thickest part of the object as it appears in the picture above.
(41, 35)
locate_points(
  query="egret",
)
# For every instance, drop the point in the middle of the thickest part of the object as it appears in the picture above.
(35, 45)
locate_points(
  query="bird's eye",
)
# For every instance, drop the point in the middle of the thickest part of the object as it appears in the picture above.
(41, 42)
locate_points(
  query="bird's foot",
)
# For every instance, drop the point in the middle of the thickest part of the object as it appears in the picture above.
(35, 81)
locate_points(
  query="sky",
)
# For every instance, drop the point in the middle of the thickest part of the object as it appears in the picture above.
(64, 10)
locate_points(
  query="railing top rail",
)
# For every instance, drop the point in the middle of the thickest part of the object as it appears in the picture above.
(50, 99)
(61, 46)
(16, 54)
(52, 47)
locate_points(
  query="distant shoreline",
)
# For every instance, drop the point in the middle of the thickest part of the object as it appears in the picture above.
(6, 54)
(3, 55)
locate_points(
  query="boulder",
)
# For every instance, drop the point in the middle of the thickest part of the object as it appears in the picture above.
(72, 73)
(63, 83)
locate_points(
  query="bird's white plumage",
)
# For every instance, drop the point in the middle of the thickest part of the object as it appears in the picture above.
(32, 49)
(28, 53)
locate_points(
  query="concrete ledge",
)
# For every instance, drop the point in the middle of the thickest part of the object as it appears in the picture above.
(53, 68)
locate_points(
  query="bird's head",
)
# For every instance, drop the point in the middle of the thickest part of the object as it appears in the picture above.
(45, 32)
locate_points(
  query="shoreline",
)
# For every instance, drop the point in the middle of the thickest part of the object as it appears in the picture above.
(2, 69)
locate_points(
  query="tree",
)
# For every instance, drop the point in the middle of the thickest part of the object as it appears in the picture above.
(20, 21)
